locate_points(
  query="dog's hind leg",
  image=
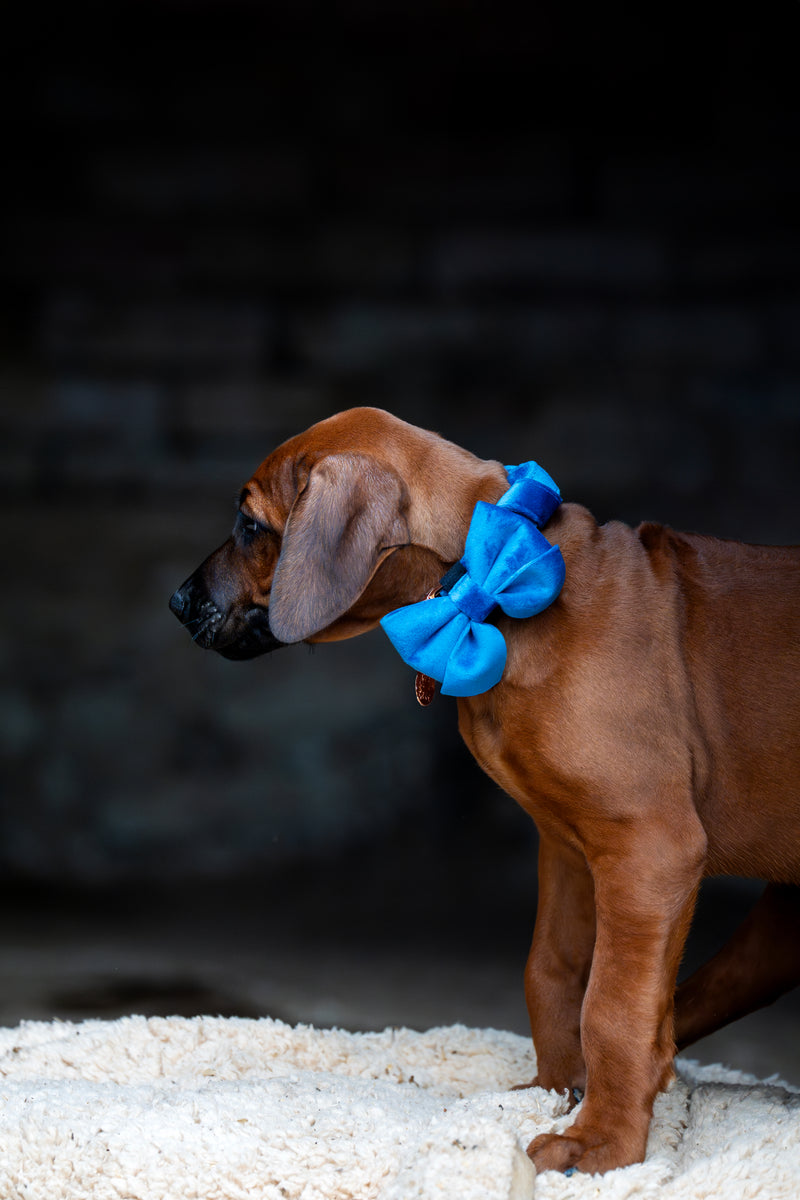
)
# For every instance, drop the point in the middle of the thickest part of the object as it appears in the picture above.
(759, 963)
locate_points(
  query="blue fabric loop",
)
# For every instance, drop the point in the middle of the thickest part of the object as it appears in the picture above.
(508, 564)
(473, 600)
(530, 498)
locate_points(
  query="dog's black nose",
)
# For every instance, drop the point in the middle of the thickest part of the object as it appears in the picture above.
(179, 601)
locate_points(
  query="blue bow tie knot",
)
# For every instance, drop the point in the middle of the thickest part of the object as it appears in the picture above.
(472, 599)
(508, 564)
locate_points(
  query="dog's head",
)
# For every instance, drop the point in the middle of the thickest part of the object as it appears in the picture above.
(329, 536)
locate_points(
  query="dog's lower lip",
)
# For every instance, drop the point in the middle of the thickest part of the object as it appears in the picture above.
(241, 651)
(238, 653)
(256, 639)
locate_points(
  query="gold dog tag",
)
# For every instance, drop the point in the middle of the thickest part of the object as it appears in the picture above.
(425, 689)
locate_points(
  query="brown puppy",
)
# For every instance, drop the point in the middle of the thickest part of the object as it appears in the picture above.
(648, 721)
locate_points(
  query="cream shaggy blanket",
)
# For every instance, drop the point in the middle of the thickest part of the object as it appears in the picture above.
(214, 1109)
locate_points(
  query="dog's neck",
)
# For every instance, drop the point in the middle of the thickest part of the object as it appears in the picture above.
(440, 514)
(507, 564)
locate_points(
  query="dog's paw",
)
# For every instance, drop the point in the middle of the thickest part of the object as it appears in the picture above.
(582, 1152)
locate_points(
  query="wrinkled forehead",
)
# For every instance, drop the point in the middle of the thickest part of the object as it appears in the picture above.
(273, 487)
(271, 490)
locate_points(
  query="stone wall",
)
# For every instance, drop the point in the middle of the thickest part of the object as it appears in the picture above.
(225, 221)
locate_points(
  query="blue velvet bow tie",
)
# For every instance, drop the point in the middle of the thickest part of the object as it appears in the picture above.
(507, 563)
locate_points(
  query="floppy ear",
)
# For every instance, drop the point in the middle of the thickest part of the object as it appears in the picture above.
(342, 526)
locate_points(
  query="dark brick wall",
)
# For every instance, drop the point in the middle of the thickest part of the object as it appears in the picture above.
(559, 238)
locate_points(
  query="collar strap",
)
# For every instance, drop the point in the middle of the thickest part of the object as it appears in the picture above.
(507, 564)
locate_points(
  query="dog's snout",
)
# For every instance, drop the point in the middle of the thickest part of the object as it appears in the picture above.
(197, 612)
(238, 634)
(187, 601)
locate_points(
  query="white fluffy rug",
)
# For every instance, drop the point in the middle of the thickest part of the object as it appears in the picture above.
(217, 1109)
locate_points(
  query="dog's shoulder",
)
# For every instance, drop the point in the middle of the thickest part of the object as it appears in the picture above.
(589, 546)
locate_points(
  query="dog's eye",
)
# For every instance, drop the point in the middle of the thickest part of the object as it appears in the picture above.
(246, 528)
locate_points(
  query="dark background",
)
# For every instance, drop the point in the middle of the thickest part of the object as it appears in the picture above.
(542, 233)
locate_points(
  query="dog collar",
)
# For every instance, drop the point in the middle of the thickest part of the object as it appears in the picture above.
(507, 564)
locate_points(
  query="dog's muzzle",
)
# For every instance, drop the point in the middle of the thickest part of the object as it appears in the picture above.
(245, 637)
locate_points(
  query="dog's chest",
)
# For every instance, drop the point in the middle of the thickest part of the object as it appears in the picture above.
(508, 756)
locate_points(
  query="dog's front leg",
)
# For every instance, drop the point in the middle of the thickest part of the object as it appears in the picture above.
(644, 897)
(557, 970)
